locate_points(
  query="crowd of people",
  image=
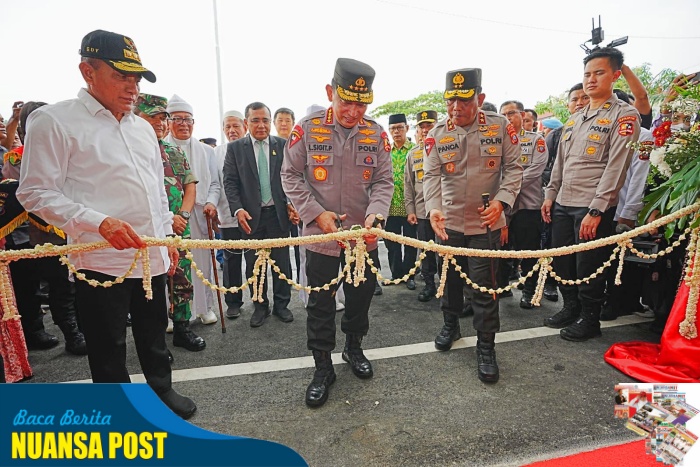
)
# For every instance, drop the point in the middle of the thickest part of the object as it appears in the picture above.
(115, 164)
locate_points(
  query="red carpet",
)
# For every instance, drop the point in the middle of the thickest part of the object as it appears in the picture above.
(624, 455)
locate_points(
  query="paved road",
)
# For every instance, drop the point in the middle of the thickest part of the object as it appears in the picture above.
(422, 407)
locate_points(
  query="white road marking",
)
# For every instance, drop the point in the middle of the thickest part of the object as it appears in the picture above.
(269, 366)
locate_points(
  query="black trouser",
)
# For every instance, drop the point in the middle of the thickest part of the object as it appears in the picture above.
(26, 275)
(479, 270)
(269, 227)
(566, 222)
(546, 244)
(320, 323)
(525, 233)
(625, 298)
(103, 316)
(233, 266)
(400, 263)
(428, 267)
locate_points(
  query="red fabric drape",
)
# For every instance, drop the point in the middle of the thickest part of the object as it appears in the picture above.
(675, 360)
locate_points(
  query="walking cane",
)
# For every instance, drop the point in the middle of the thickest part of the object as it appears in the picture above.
(485, 198)
(216, 275)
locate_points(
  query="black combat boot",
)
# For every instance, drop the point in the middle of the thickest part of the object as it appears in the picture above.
(487, 367)
(586, 327)
(183, 337)
(569, 313)
(356, 358)
(528, 293)
(428, 291)
(449, 333)
(324, 376)
(75, 341)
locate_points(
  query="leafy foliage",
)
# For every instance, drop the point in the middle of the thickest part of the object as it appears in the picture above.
(429, 101)
(556, 105)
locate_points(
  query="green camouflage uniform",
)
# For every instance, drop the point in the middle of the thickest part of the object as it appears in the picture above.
(177, 175)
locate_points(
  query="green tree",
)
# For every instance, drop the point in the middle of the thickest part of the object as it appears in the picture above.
(556, 105)
(654, 84)
(429, 101)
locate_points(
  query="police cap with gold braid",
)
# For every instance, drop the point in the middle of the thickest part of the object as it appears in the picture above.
(462, 84)
(115, 50)
(429, 116)
(352, 80)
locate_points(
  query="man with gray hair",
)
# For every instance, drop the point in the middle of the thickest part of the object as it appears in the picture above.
(203, 163)
(235, 127)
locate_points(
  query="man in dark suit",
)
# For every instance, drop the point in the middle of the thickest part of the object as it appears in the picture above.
(254, 190)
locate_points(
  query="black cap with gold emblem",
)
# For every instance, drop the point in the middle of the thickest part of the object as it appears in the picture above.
(352, 80)
(116, 50)
(429, 116)
(462, 84)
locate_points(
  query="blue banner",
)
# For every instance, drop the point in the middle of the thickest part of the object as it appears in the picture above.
(115, 424)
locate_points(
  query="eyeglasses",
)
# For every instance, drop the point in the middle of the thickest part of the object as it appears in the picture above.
(682, 118)
(397, 128)
(180, 120)
(255, 121)
(510, 113)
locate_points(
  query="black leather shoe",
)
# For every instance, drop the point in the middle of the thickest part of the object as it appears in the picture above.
(181, 405)
(284, 315)
(467, 311)
(184, 337)
(353, 354)
(581, 330)
(233, 312)
(411, 284)
(427, 293)
(526, 301)
(448, 334)
(259, 316)
(550, 292)
(75, 343)
(317, 391)
(378, 289)
(562, 319)
(40, 340)
(487, 367)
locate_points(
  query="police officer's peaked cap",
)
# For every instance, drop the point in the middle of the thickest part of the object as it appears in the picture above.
(462, 84)
(152, 105)
(353, 80)
(429, 116)
(116, 50)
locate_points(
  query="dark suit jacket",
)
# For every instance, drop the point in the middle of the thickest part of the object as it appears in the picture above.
(242, 183)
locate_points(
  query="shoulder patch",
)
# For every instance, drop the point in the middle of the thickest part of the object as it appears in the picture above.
(387, 146)
(297, 133)
(429, 143)
(512, 133)
(540, 145)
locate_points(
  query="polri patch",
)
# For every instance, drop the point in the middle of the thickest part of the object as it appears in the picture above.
(297, 133)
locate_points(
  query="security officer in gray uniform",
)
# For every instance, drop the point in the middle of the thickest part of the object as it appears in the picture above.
(337, 172)
(525, 226)
(471, 153)
(582, 195)
(415, 201)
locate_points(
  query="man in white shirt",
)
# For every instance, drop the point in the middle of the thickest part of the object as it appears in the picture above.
(203, 164)
(93, 169)
(234, 126)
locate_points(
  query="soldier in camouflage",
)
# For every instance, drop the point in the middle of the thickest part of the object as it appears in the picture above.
(180, 187)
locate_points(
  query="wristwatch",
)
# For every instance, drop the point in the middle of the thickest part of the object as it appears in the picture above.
(185, 215)
(594, 213)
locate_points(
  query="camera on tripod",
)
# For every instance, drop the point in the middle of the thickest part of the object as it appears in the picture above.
(597, 36)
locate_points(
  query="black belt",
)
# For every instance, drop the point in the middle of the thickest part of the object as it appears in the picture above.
(268, 208)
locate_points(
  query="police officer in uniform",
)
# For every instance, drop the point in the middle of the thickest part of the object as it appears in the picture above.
(524, 230)
(415, 201)
(337, 171)
(582, 195)
(472, 152)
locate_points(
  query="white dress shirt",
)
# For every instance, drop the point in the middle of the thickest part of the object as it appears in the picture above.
(630, 201)
(81, 165)
(266, 148)
(225, 218)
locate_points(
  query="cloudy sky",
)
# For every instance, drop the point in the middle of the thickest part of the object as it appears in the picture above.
(283, 52)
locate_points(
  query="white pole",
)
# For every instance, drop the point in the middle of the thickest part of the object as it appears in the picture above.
(218, 72)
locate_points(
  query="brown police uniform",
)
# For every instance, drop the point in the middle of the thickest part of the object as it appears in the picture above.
(347, 171)
(525, 223)
(460, 165)
(587, 176)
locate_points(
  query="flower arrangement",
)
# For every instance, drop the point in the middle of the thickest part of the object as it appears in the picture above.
(675, 163)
